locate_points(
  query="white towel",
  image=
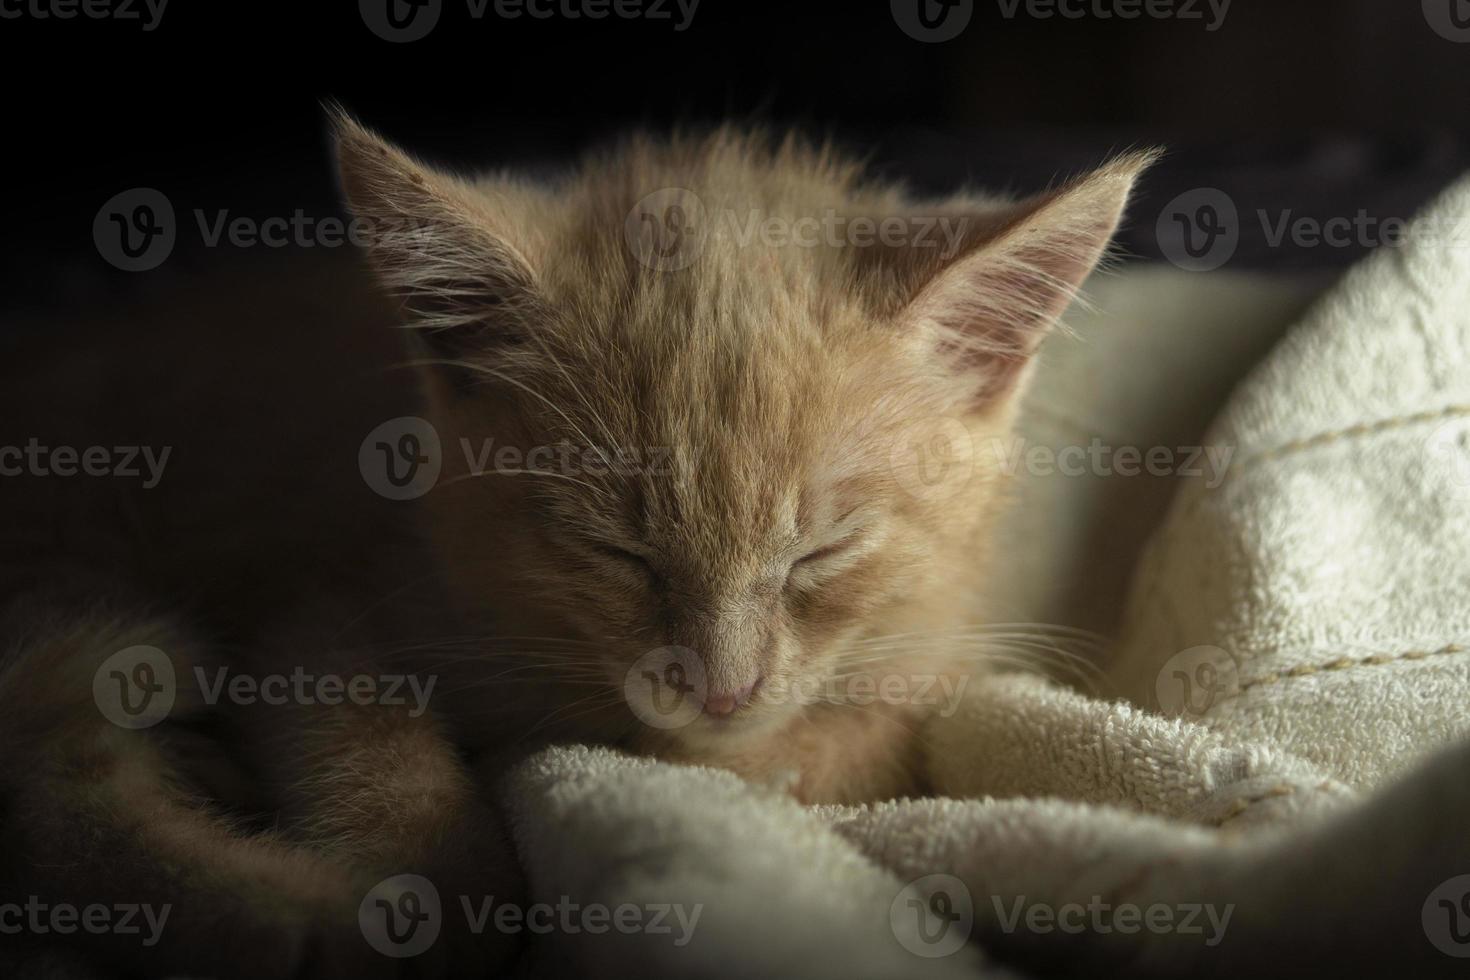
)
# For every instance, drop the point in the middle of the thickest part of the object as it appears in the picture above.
(1328, 577)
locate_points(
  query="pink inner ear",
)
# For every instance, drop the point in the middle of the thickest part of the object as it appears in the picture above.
(991, 308)
(990, 312)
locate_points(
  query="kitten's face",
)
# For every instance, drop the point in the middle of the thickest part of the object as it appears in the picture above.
(766, 501)
(708, 480)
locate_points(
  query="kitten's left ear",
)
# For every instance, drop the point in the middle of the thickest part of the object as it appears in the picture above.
(438, 243)
(1017, 274)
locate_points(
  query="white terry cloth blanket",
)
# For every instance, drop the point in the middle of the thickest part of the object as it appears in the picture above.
(1308, 812)
(1328, 577)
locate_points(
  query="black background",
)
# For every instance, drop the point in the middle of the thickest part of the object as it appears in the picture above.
(1324, 106)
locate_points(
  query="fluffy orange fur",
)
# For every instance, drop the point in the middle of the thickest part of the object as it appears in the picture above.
(794, 386)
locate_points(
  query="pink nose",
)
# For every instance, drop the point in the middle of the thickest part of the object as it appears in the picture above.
(721, 704)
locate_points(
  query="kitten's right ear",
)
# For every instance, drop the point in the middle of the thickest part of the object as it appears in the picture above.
(435, 243)
(1016, 271)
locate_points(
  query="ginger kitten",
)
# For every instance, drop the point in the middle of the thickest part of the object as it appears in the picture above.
(803, 424)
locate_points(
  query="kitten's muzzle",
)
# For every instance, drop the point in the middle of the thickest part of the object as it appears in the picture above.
(734, 643)
(723, 704)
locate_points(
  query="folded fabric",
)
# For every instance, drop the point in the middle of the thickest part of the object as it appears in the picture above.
(1319, 597)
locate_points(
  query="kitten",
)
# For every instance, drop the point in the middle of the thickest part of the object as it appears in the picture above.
(715, 483)
(806, 423)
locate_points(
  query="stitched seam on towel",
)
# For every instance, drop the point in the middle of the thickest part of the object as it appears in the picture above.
(1361, 429)
(1347, 663)
(1244, 803)
(1197, 500)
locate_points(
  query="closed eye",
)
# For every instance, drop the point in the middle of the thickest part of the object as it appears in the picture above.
(631, 559)
(827, 551)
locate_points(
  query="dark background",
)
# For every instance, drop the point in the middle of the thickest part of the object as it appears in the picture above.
(1322, 106)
